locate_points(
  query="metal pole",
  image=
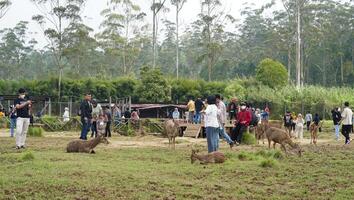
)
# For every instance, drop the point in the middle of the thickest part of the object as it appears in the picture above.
(50, 107)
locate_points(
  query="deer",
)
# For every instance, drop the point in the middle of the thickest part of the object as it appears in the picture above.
(314, 130)
(171, 130)
(214, 157)
(83, 146)
(280, 136)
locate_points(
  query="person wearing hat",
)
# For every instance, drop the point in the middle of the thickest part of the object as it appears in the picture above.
(66, 115)
(23, 118)
(299, 127)
(243, 120)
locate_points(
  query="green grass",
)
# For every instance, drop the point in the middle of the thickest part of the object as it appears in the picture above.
(35, 131)
(45, 171)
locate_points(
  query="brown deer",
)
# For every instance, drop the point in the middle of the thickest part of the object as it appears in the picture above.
(171, 130)
(281, 137)
(214, 157)
(314, 132)
(83, 146)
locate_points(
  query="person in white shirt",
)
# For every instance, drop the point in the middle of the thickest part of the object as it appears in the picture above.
(212, 125)
(66, 115)
(175, 114)
(347, 117)
(299, 127)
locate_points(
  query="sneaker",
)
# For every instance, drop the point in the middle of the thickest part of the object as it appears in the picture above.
(231, 145)
(17, 147)
(348, 142)
(23, 147)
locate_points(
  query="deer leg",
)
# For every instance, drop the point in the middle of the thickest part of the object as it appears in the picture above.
(92, 151)
(269, 141)
(283, 148)
(274, 145)
(174, 142)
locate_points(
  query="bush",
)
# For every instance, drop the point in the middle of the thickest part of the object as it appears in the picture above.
(248, 139)
(268, 163)
(272, 73)
(246, 156)
(275, 154)
(35, 131)
(27, 156)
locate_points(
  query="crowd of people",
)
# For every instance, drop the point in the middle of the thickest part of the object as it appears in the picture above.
(215, 113)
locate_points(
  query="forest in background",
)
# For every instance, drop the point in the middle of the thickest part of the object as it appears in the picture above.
(205, 49)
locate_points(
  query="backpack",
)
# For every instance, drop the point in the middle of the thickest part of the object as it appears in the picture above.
(254, 119)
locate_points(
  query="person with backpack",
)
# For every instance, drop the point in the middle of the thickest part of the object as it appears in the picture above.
(336, 117)
(243, 120)
(288, 121)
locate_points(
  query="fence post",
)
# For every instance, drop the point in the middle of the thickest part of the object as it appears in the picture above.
(49, 107)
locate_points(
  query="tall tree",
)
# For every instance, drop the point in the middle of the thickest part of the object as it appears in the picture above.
(55, 17)
(4, 7)
(179, 5)
(156, 7)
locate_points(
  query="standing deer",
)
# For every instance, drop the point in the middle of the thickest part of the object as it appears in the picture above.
(171, 129)
(314, 130)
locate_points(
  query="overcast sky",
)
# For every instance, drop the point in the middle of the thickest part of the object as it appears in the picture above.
(23, 10)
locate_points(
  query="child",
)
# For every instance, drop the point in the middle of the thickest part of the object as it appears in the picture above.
(101, 124)
(299, 127)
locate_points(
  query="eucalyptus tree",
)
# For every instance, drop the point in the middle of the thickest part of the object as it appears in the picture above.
(4, 7)
(179, 5)
(55, 16)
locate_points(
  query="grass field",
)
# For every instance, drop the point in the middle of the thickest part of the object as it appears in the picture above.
(125, 169)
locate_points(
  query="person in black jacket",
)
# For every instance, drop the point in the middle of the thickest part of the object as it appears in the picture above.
(336, 116)
(86, 115)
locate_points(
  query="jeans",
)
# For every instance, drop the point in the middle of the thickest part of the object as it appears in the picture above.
(94, 129)
(85, 128)
(108, 129)
(224, 135)
(212, 138)
(197, 118)
(21, 130)
(12, 126)
(237, 132)
(345, 131)
(336, 131)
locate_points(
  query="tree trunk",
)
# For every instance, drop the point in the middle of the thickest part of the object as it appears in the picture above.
(154, 35)
(289, 64)
(177, 39)
(298, 47)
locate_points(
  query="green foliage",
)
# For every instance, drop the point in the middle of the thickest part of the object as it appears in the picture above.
(268, 163)
(153, 87)
(248, 139)
(27, 156)
(35, 131)
(272, 73)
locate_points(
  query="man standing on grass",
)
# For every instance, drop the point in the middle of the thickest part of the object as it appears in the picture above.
(198, 108)
(347, 116)
(308, 119)
(86, 115)
(191, 109)
(222, 120)
(23, 118)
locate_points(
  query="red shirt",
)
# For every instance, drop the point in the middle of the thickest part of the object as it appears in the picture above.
(244, 117)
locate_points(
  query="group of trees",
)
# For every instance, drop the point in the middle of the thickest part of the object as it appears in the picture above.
(314, 39)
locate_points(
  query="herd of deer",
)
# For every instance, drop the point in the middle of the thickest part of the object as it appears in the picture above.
(271, 131)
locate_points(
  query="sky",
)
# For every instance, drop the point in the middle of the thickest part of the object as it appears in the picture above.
(23, 10)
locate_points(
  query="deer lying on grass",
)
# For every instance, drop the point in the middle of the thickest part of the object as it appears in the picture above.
(281, 137)
(314, 130)
(171, 129)
(82, 146)
(214, 157)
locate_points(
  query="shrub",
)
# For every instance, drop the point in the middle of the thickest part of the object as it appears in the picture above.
(248, 139)
(35, 131)
(27, 156)
(246, 156)
(272, 73)
(268, 163)
(275, 154)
